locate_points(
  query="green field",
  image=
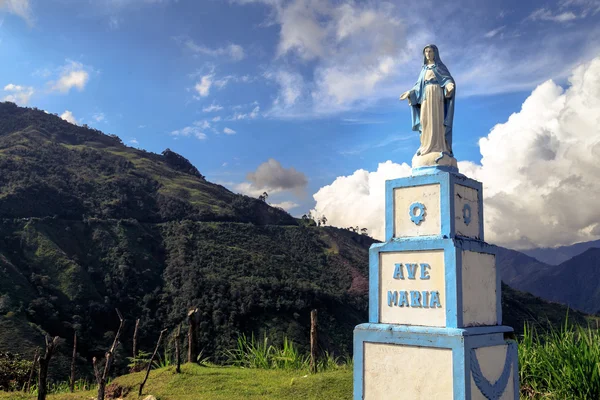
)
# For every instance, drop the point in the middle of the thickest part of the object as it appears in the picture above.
(198, 382)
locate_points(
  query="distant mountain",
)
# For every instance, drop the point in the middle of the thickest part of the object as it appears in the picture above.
(555, 256)
(515, 267)
(575, 282)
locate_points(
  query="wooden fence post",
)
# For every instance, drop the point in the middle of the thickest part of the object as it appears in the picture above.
(313, 341)
(177, 349)
(72, 383)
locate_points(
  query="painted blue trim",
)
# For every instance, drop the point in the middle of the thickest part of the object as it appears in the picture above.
(374, 284)
(457, 281)
(447, 206)
(467, 214)
(492, 391)
(460, 374)
(432, 330)
(416, 219)
(359, 350)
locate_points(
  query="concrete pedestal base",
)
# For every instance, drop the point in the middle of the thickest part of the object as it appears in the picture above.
(424, 363)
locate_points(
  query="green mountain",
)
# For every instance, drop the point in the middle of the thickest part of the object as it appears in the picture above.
(88, 225)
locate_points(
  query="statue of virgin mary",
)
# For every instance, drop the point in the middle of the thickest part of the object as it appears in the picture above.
(432, 108)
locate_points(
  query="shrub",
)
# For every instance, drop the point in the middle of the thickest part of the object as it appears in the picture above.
(14, 371)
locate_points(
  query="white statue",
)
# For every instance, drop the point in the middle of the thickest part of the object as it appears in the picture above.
(432, 109)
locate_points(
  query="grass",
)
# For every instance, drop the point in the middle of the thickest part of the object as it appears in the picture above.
(219, 383)
(561, 364)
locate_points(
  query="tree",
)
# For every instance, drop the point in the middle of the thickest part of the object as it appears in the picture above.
(363, 231)
(324, 220)
(263, 197)
(44, 362)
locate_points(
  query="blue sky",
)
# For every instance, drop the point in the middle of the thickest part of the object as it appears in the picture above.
(311, 85)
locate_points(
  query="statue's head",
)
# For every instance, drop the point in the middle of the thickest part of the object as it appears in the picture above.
(430, 54)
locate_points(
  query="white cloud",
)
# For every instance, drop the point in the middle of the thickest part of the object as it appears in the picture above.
(69, 117)
(18, 94)
(232, 50)
(543, 14)
(229, 131)
(134, 141)
(73, 75)
(196, 130)
(203, 87)
(212, 108)
(358, 199)
(216, 119)
(99, 117)
(286, 205)
(291, 87)
(539, 170)
(250, 115)
(22, 8)
(494, 32)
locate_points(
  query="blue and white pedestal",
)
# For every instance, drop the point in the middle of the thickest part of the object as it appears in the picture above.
(435, 317)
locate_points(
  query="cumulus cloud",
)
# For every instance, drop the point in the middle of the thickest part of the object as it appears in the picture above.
(69, 117)
(203, 87)
(229, 131)
(196, 130)
(18, 94)
(232, 50)
(73, 75)
(358, 199)
(22, 8)
(272, 177)
(539, 170)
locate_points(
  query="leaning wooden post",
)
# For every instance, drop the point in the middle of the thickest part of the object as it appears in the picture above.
(102, 378)
(192, 335)
(313, 341)
(72, 383)
(36, 357)
(44, 361)
(150, 362)
(177, 350)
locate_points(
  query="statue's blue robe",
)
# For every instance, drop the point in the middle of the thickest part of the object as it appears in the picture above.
(417, 96)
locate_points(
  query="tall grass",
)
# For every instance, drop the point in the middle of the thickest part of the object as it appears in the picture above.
(253, 353)
(561, 364)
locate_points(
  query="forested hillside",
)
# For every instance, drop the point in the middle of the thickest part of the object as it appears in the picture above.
(88, 225)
